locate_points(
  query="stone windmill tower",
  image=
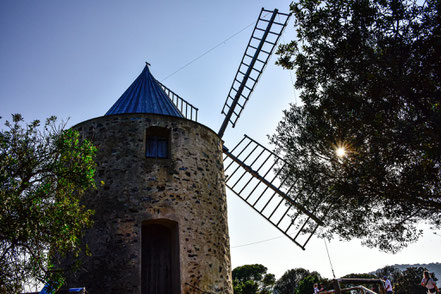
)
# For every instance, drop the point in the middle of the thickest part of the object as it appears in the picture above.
(161, 216)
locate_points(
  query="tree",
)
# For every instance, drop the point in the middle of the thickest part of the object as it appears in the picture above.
(252, 279)
(247, 287)
(389, 271)
(369, 76)
(44, 170)
(267, 284)
(290, 280)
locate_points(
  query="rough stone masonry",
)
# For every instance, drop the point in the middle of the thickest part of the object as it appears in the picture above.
(185, 192)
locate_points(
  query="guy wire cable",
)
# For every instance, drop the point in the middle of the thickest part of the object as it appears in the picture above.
(209, 50)
(329, 257)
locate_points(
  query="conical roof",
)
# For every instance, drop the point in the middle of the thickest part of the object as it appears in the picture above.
(144, 95)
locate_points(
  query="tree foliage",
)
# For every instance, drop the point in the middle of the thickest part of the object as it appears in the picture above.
(409, 281)
(289, 281)
(360, 276)
(44, 170)
(369, 75)
(252, 279)
(306, 285)
(389, 271)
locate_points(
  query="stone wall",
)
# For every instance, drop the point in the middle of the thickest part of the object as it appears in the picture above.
(188, 188)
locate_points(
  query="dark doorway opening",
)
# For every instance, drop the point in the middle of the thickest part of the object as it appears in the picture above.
(160, 258)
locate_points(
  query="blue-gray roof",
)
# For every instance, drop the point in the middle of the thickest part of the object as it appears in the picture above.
(144, 95)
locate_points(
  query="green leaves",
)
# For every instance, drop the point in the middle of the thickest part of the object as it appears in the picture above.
(307, 283)
(44, 171)
(252, 279)
(369, 73)
(296, 280)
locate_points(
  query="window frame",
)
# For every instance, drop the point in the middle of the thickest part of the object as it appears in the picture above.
(155, 138)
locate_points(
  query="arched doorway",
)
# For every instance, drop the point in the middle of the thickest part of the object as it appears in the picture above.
(160, 257)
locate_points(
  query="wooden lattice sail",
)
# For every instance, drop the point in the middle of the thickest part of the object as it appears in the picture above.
(251, 174)
(252, 171)
(264, 38)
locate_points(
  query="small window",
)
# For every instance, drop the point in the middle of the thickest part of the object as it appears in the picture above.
(157, 142)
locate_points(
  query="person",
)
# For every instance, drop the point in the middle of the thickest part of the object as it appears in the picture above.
(429, 283)
(387, 285)
(316, 289)
(322, 287)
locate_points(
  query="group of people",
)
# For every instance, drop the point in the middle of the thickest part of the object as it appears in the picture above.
(317, 289)
(427, 282)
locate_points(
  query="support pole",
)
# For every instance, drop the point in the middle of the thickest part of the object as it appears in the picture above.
(337, 286)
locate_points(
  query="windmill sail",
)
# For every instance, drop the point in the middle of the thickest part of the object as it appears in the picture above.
(253, 173)
(266, 34)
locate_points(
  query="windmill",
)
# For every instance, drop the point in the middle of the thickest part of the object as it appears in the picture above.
(160, 223)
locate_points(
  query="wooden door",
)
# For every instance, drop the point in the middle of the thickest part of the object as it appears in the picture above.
(156, 263)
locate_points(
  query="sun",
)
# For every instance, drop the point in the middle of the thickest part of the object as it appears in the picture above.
(340, 151)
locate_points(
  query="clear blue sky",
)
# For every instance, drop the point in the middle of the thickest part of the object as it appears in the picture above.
(73, 59)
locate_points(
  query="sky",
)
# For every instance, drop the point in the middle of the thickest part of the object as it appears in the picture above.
(74, 59)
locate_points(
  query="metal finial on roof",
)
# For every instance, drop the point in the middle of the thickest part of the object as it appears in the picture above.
(148, 64)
